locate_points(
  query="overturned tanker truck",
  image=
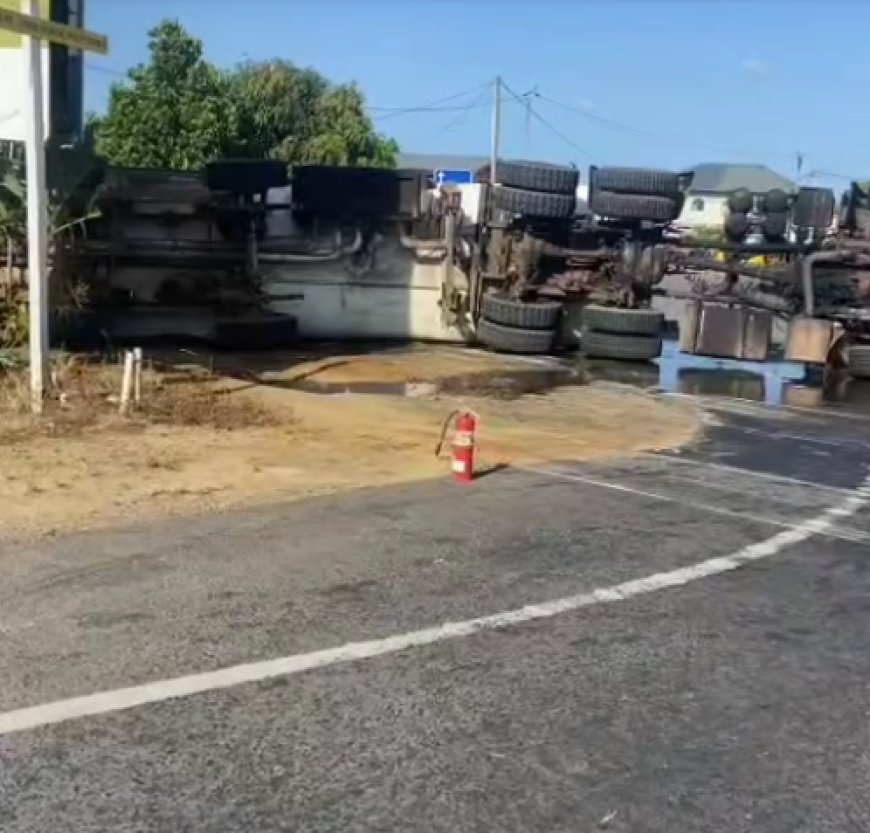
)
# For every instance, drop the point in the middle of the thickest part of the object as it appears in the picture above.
(244, 255)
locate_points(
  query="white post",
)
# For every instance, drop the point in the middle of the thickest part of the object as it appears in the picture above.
(37, 215)
(496, 132)
(126, 383)
(137, 375)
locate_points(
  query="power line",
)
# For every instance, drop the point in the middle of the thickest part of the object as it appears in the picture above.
(480, 101)
(552, 128)
(415, 110)
(638, 131)
(432, 106)
(389, 112)
(815, 173)
(106, 70)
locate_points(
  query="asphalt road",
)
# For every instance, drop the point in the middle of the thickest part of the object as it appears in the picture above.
(736, 700)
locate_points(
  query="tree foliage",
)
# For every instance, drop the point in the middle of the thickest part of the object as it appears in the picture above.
(178, 111)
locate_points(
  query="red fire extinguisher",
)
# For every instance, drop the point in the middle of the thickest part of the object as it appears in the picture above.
(462, 446)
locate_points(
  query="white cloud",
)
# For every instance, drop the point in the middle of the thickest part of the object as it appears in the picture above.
(754, 67)
(586, 104)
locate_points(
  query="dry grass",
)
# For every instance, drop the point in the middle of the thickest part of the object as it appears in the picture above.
(84, 394)
(193, 404)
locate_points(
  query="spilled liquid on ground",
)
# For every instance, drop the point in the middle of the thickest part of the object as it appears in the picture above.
(773, 383)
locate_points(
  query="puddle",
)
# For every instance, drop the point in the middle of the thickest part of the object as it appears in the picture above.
(500, 384)
(771, 383)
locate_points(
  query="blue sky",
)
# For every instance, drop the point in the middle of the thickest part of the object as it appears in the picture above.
(634, 82)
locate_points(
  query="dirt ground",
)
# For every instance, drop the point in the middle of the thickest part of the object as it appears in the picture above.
(273, 442)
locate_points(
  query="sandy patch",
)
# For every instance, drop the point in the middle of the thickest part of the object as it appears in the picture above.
(314, 444)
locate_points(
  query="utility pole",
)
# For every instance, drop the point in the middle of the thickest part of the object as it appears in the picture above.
(37, 214)
(35, 31)
(496, 131)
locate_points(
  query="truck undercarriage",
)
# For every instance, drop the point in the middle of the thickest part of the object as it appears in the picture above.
(343, 252)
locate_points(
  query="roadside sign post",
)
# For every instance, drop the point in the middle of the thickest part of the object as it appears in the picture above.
(37, 216)
(35, 30)
(448, 176)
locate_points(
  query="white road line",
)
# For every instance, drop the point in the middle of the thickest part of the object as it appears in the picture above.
(121, 699)
(855, 536)
(762, 475)
(711, 401)
(784, 435)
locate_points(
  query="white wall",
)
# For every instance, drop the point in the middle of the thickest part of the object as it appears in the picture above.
(704, 210)
(13, 92)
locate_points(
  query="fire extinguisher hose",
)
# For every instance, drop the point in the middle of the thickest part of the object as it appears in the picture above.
(446, 424)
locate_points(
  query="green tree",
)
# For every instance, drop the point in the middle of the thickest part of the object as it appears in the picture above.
(176, 111)
(180, 112)
(274, 104)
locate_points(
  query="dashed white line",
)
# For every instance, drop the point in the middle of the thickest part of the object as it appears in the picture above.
(803, 438)
(857, 536)
(108, 702)
(761, 475)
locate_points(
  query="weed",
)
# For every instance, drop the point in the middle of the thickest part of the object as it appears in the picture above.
(84, 394)
(195, 404)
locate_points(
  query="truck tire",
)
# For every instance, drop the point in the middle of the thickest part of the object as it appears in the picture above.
(653, 265)
(531, 315)
(813, 208)
(776, 201)
(533, 176)
(514, 340)
(245, 176)
(534, 203)
(642, 322)
(626, 347)
(632, 207)
(643, 181)
(858, 358)
(775, 226)
(345, 193)
(736, 227)
(740, 201)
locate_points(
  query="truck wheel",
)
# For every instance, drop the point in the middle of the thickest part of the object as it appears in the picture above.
(858, 358)
(514, 340)
(740, 201)
(775, 226)
(644, 181)
(626, 347)
(736, 226)
(645, 322)
(776, 201)
(632, 207)
(531, 315)
(533, 176)
(534, 203)
(814, 208)
(653, 265)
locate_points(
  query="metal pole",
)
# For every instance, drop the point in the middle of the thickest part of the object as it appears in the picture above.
(37, 215)
(496, 132)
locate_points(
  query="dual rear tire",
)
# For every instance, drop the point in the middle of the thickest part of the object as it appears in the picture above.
(624, 334)
(523, 327)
